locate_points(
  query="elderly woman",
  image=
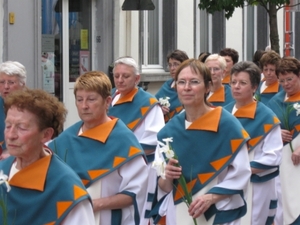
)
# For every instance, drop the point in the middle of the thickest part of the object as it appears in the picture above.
(282, 104)
(44, 190)
(265, 145)
(269, 86)
(140, 111)
(12, 77)
(167, 90)
(219, 95)
(211, 163)
(105, 154)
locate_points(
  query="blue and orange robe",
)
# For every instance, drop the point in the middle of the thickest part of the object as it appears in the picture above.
(48, 184)
(221, 97)
(167, 90)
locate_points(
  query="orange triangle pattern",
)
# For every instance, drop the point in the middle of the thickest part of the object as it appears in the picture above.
(78, 192)
(245, 133)
(118, 161)
(144, 110)
(51, 223)
(62, 207)
(235, 144)
(152, 101)
(297, 127)
(133, 151)
(205, 177)
(268, 127)
(217, 164)
(254, 141)
(85, 182)
(133, 124)
(178, 109)
(96, 173)
(172, 114)
(276, 120)
(179, 190)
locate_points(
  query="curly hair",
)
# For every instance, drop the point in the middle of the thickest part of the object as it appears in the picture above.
(288, 64)
(49, 111)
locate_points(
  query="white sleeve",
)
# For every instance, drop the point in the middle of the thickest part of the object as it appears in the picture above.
(270, 151)
(146, 133)
(81, 214)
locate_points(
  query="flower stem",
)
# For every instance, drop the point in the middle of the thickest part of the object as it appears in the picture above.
(291, 146)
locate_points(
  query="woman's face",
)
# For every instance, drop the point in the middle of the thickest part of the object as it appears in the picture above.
(125, 79)
(173, 64)
(241, 88)
(9, 84)
(269, 72)
(23, 137)
(91, 107)
(190, 88)
(216, 72)
(290, 82)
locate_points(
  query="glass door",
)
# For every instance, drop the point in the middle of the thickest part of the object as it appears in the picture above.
(66, 45)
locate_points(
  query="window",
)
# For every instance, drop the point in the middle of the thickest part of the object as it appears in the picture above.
(152, 57)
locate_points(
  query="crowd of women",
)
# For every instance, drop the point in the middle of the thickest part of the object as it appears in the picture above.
(218, 144)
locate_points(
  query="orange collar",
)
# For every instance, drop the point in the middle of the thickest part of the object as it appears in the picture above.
(226, 79)
(273, 88)
(101, 132)
(218, 96)
(32, 176)
(209, 121)
(127, 98)
(294, 98)
(247, 111)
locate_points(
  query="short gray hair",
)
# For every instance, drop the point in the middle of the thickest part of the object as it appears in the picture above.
(217, 57)
(14, 68)
(129, 61)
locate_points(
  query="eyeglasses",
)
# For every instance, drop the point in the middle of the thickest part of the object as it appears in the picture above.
(8, 82)
(191, 83)
(174, 65)
(241, 83)
(214, 69)
(288, 80)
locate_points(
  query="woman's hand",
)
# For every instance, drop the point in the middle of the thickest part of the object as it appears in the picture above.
(200, 205)
(296, 156)
(286, 135)
(172, 171)
(165, 110)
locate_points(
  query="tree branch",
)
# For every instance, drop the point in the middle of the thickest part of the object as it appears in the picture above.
(263, 4)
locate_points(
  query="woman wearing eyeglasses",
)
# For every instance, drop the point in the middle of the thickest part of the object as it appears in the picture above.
(213, 164)
(12, 78)
(167, 90)
(283, 105)
(265, 145)
(219, 95)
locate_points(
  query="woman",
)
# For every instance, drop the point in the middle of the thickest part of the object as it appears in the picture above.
(212, 163)
(12, 78)
(219, 95)
(265, 145)
(269, 86)
(140, 111)
(105, 154)
(282, 103)
(174, 59)
(44, 190)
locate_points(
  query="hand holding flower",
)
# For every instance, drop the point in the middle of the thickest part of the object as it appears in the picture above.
(286, 136)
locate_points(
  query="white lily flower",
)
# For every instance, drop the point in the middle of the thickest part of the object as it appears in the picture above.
(160, 165)
(297, 108)
(164, 101)
(3, 179)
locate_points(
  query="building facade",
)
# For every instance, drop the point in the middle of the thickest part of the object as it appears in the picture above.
(57, 40)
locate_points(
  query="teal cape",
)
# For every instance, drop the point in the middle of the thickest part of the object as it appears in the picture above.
(167, 91)
(204, 150)
(42, 193)
(259, 121)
